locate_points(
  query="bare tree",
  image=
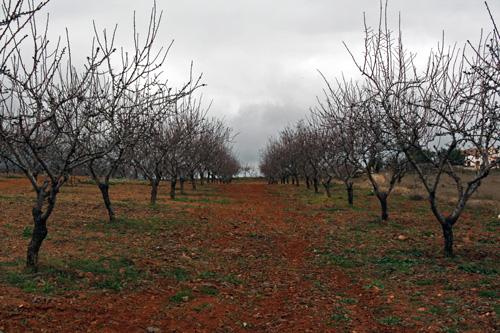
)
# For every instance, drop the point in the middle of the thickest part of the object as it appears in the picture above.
(167, 150)
(212, 135)
(451, 106)
(46, 111)
(455, 110)
(128, 88)
(178, 135)
(389, 73)
(335, 114)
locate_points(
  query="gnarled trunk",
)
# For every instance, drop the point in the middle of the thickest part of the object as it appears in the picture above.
(350, 193)
(448, 239)
(173, 183)
(155, 183)
(327, 185)
(104, 188)
(316, 185)
(40, 224)
(382, 197)
(193, 182)
(39, 233)
(327, 190)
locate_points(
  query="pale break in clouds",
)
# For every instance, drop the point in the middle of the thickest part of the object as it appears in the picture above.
(259, 58)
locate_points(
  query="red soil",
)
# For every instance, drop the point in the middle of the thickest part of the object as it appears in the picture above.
(264, 239)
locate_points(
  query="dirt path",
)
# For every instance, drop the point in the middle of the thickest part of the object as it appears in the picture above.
(287, 290)
(253, 268)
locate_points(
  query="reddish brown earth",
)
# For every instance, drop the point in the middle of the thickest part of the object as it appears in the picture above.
(251, 253)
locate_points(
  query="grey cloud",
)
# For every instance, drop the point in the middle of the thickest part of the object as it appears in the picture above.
(259, 57)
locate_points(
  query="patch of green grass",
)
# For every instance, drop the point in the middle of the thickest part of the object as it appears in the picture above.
(47, 280)
(109, 284)
(179, 274)
(114, 274)
(223, 201)
(128, 203)
(424, 282)
(254, 235)
(208, 275)
(348, 300)
(486, 241)
(493, 225)
(27, 232)
(132, 225)
(390, 321)
(24, 281)
(437, 310)
(390, 264)
(214, 276)
(488, 293)
(427, 233)
(374, 284)
(332, 209)
(340, 315)
(121, 225)
(14, 198)
(478, 268)
(201, 307)
(319, 285)
(447, 329)
(89, 266)
(339, 260)
(232, 279)
(496, 308)
(14, 263)
(181, 296)
(209, 290)
(416, 197)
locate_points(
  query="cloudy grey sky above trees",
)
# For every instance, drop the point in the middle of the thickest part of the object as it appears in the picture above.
(259, 58)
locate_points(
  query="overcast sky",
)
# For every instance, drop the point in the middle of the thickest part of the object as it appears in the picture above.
(259, 58)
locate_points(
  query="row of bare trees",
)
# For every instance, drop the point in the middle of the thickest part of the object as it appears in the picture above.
(396, 119)
(110, 111)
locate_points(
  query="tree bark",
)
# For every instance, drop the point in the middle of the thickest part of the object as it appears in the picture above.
(182, 180)
(316, 185)
(193, 182)
(350, 194)
(39, 233)
(154, 190)
(104, 188)
(382, 197)
(40, 224)
(448, 239)
(308, 183)
(327, 190)
(173, 183)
